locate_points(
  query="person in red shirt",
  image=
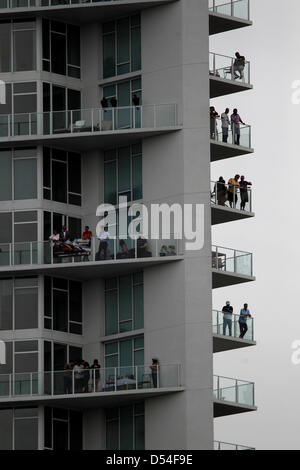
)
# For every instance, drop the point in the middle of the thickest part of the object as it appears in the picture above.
(87, 234)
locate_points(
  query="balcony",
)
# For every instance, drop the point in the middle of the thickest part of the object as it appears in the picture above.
(226, 446)
(237, 143)
(115, 387)
(81, 261)
(226, 15)
(86, 129)
(223, 340)
(221, 196)
(81, 11)
(230, 267)
(232, 396)
(224, 76)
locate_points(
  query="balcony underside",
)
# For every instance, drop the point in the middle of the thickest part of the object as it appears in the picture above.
(222, 87)
(221, 214)
(221, 23)
(84, 271)
(226, 343)
(88, 400)
(84, 141)
(225, 279)
(84, 12)
(226, 408)
(221, 151)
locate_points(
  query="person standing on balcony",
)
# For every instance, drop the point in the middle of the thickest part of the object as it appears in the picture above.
(135, 100)
(213, 124)
(220, 191)
(103, 246)
(113, 102)
(233, 185)
(104, 102)
(227, 311)
(236, 128)
(95, 375)
(244, 314)
(68, 376)
(154, 371)
(225, 125)
(244, 185)
(239, 66)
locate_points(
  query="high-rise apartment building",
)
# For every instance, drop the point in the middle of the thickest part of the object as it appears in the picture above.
(107, 99)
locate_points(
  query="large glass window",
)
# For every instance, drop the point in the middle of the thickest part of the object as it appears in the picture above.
(62, 429)
(59, 100)
(17, 45)
(63, 305)
(121, 46)
(19, 429)
(62, 176)
(124, 303)
(21, 101)
(125, 427)
(61, 48)
(123, 174)
(125, 353)
(18, 174)
(55, 221)
(18, 303)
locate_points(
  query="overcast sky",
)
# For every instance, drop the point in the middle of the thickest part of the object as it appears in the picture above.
(272, 45)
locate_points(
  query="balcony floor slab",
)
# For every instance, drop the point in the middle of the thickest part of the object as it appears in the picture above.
(222, 151)
(227, 408)
(225, 279)
(219, 23)
(223, 343)
(223, 214)
(221, 87)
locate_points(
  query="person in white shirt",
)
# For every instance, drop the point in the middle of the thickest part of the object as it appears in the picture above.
(55, 236)
(103, 237)
(225, 125)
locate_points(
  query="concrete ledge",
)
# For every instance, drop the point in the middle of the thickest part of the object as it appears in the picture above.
(226, 408)
(223, 343)
(220, 23)
(223, 214)
(221, 86)
(225, 279)
(221, 151)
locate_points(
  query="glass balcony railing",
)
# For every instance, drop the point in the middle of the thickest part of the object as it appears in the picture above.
(234, 391)
(48, 252)
(234, 197)
(221, 327)
(45, 3)
(235, 8)
(225, 67)
(226, 446)
(111, 379)
(234, 135)
(232, 261)
(88, 120)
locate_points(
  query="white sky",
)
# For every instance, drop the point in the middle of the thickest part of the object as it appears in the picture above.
(272, 45)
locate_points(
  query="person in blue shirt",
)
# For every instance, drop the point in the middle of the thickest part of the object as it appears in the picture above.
(244, 314)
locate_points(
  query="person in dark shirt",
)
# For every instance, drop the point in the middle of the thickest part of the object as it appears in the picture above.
(113, 102)
(244, 185)
(227, 318)
(95, 375)
(135, 100)
(220, 191)
(213, 124)
(104, 102)
(239, 66)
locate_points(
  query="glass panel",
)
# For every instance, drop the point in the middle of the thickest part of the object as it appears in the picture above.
(110, 178)
(139, 433)
(6, 429)
(135, 49)
(5, 47)
(26, 434)
(59, 181)
(74, 173)
(125, 302)
(60, 435)
(112, 435)
(111, 313)
(75, 430)
(60, 310)
(109, 58)
(137, 178)
(126, 428)
(138, 306)
(26, 362)
(5, 173)
(123, 43)
(25, 178)
(124, 169)
(26, 308)
(73, 44)
(58, 53)
(75, 301)
(6, 304)
(24, 50)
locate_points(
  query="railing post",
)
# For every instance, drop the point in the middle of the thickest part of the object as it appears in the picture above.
(8, 125)
(52, 383)
(217, 258)
(9, 384)
(31, 383)
(236, 392)
(10, 254)
(234, 262)
(73, 382)
(157, 379)
(136, 377)
(113, 118)
(71, 125)
(94, 380)
(51, 122)
(29, 121)
(218, 387)
(31, 258)
(252, 328)
(115, 379)
(232, 8)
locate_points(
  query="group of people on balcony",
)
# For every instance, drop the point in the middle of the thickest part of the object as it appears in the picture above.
(113, 102)
(227, 311)
(81, 377)
(234, 121)
(229, 192)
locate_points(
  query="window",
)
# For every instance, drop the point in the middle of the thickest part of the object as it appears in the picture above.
(21, 101)
(121, 46)
(62, 176)
(124, 304)
(62, 429)
(18, 303)
(19, 429)
(61, 48)
(63, 305)
(126, 115)
(55, 221)
(123, 174)
(17, 45)
(125, 427)
(59, 100)
(125, 355)
(18, 174)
